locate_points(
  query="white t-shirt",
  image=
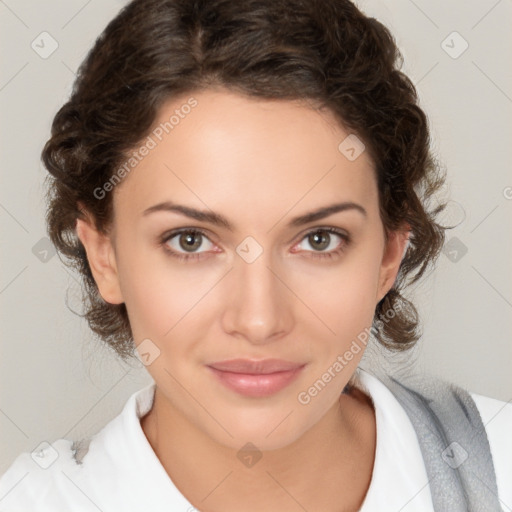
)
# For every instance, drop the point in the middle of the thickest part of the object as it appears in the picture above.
(121, 472)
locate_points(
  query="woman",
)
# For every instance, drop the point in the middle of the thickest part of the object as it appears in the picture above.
(244, 189)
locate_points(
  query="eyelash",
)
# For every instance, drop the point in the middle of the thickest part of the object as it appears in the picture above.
(197, 256)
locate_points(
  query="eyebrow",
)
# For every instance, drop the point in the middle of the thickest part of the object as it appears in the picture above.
(220, 220)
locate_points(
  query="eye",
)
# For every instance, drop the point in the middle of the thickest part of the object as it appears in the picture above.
(321, 239)
(184, 244)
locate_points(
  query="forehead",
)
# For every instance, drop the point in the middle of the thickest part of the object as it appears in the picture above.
(228, 152)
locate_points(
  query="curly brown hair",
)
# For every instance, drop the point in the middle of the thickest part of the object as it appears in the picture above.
(326, 52)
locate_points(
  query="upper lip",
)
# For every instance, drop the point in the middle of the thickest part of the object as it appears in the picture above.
(251, 366)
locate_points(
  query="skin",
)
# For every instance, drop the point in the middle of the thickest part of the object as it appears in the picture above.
(259, 163)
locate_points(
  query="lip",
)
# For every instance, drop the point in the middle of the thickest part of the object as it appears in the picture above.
(256, 378)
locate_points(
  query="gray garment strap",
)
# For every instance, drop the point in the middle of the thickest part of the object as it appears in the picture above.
(80, 449)
(453, 443)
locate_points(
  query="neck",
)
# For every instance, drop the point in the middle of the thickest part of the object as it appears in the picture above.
(329, 468)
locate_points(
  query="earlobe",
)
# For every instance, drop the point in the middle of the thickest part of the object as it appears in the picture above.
(394, 252)
(101, 258)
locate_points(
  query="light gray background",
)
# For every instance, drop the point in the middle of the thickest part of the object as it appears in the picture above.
(58, 381)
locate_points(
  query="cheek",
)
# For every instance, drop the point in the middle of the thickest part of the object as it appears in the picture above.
(162, 297)
(344, 299)
(346, 294)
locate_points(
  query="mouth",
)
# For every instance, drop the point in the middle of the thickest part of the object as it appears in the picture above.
(256, 378)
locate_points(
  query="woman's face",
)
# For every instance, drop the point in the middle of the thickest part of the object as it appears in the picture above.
(255, 273)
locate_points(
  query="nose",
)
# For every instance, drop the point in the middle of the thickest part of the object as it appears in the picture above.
(259, 306)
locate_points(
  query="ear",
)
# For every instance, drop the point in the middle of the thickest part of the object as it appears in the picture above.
(394, 252)
(101, 257)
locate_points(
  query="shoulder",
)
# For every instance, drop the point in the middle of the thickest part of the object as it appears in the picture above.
(497, 419)
(62, 475)
(431, 401)
(75, 475)
(41, 480)
(495, 414)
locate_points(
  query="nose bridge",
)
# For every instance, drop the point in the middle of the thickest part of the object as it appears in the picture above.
(258, 306)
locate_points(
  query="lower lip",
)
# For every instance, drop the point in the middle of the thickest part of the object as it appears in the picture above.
(256, 385)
